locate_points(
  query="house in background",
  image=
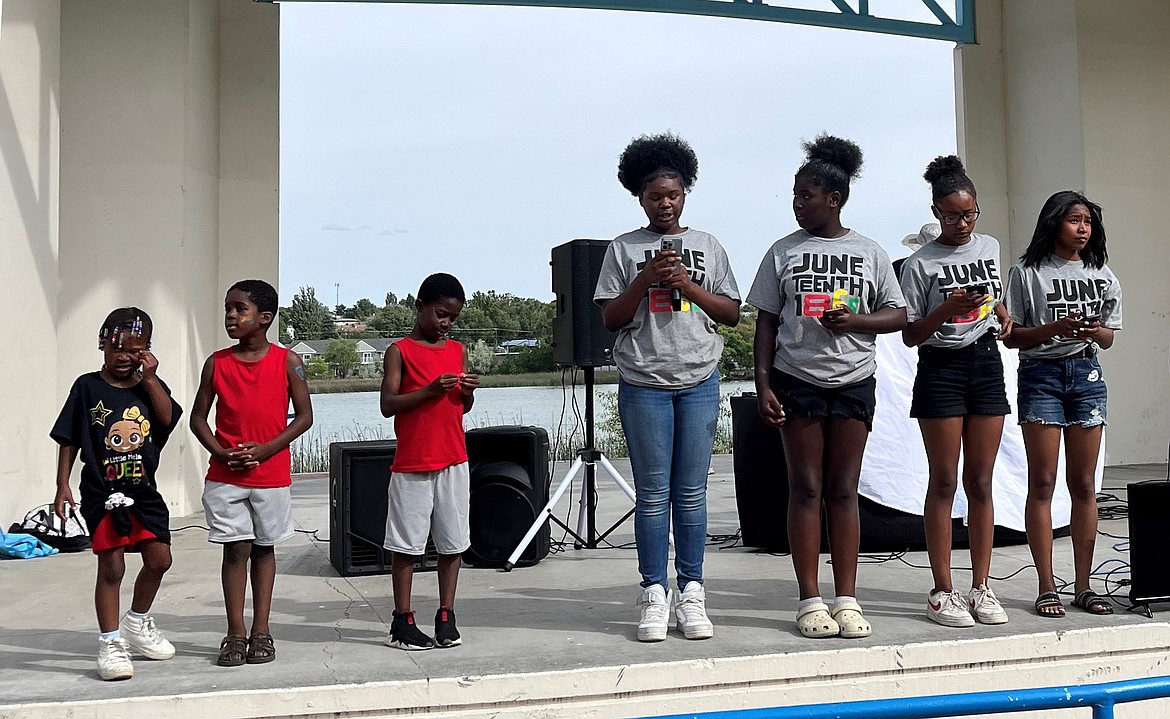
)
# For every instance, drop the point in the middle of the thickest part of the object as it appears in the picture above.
(371, 351)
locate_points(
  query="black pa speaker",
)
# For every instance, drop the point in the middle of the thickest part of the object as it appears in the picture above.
(761, 477)
(509, 487)
(359, 476)
(1149, 536)
(579, 335)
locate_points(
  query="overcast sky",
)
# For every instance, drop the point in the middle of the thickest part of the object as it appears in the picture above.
(471, 140)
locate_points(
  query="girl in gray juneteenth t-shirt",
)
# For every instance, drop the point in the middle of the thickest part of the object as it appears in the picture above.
(1066, 304)
(664, 288)
(823, 293)
(953, 304)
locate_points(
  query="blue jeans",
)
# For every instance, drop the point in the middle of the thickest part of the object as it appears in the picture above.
(1062, 392)
(670, 434)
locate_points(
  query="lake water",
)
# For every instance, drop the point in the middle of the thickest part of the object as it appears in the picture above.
(355, 415)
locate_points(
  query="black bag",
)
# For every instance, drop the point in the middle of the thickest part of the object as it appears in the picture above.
(66, 535)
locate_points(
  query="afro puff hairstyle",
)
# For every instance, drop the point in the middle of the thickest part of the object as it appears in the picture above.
(831, 162)
(947, 176)
(649, 157)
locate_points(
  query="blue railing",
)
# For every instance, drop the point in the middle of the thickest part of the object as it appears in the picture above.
(1101, 697)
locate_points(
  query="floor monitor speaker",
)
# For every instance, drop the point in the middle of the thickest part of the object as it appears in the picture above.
(1149, 536)
(509, 487)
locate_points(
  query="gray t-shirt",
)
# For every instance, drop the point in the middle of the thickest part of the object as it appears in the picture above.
(1056, 288)
(661, 347)
(799, 278)
(935, 270)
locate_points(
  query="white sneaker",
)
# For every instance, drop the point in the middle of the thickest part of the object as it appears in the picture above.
(655, 604)
(145, 638)
(690, 613)
(114, 659)
(949, 609)
(985, 607)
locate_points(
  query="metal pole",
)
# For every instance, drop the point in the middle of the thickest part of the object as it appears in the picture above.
(590, 466)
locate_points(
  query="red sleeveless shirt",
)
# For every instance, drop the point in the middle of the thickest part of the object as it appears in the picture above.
(251, 405)
(431, 437)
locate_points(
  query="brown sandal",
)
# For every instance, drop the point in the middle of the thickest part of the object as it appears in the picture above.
(233, 651)
(261, 649)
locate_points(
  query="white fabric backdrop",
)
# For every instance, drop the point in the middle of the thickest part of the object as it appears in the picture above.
(894, 472)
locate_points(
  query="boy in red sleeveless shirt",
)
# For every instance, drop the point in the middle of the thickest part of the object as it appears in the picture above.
(246, 498)
(427, 390)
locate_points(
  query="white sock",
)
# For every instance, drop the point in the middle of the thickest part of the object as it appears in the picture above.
(116, 634)
(805, 603)
(843, 599)
(135, 615)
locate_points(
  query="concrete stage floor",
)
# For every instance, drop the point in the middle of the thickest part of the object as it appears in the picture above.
(555, 639)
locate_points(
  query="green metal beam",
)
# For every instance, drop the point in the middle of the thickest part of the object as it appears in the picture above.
(959, 29)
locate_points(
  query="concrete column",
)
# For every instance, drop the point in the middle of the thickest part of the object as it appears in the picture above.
(1124, 60)
(1073, 94)
(30, 93)
(141, 188)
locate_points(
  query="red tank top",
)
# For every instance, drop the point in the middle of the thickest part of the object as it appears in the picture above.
(431, 437)
(251, 405)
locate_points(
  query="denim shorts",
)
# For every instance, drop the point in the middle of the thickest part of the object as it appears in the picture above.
(804, 399)
(959, 382)
(1062, 391)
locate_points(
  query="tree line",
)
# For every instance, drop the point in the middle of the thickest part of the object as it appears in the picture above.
(488, 320)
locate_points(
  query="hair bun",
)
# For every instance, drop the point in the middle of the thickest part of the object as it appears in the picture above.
(942, 166)
(835, 151)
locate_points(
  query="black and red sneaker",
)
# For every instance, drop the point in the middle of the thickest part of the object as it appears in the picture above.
(405, 634)
(446, 634)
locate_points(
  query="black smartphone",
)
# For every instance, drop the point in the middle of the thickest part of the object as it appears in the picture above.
(1090, 319)
(978, 290)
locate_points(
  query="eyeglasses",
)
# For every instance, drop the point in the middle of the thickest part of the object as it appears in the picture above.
(952, 218)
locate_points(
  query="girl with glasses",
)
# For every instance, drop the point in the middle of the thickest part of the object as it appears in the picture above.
(952, 288)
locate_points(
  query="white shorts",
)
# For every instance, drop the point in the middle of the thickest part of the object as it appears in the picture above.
(241, 514)
(434, 503)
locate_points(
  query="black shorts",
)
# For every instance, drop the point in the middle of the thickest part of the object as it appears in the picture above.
(960, 382)
(804, 399)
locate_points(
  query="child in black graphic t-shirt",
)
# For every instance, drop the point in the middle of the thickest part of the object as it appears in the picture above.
(118, 420)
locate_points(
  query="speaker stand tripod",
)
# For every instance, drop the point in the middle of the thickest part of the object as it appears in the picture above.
(588, 457)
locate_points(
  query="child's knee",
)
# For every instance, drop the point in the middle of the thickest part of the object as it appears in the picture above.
(111, 569)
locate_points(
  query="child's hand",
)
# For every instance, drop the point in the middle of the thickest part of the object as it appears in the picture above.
(64, 496)
(960, 302)
(149, 364)
(443, 384)
(1070, 326)
(838, 319)
(248, 455)
(770, 409)
(468, 383)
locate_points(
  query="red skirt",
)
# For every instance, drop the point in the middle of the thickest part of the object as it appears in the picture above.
(106, 537)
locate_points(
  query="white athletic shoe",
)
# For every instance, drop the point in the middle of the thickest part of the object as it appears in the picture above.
(949, 609)
(655, 604)
(114, 659)
(985, 607)
(144, 637)
(690, 613)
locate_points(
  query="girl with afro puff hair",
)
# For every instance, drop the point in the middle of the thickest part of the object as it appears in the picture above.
(823, 293)
(664, 289)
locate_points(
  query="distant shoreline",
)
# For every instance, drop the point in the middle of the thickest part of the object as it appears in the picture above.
(530, 379)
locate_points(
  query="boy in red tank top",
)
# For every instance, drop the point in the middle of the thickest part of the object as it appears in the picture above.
(427, 390)
(246, 497)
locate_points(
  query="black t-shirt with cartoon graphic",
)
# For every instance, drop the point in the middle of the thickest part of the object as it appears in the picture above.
(119, 443)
